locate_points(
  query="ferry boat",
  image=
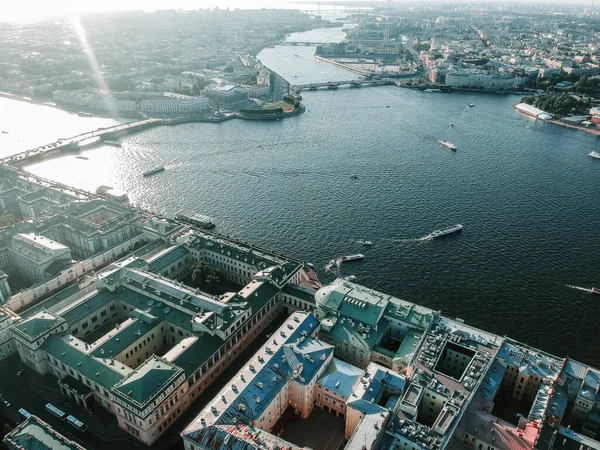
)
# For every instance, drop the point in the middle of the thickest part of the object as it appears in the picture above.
(448, 144)
(200, 220)
(366, 243)
(439, 233)
(158, 169)
(595, 155)
(349, 258)
(432, 90)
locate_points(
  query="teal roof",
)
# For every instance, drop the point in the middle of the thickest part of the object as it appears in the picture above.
(167, 258)
(157, 309)
(147, 381)
(38, 324)
(122, 338)
(35, 434)
(198, 353)
(299, 292)
(74, 356)
(408, 346)
(347, 332)
(92, 304)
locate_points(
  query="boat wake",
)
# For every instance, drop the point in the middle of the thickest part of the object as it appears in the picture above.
(579, 288)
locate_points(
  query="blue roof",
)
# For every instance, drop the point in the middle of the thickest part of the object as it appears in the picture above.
(343, 373)
(493, 379)
(575, 369)
(558, 402)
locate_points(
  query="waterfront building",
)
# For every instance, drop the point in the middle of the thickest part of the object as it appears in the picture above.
(258, 91)
(107, 103)
(36, 258)
(166, 341)
(74, 99)
(225, 95)
(365, 325)
(480, 80)
(35, 434)
(172, 105)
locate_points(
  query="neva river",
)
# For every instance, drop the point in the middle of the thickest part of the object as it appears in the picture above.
(526, 193)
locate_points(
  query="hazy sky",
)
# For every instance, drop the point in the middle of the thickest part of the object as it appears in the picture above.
(31, 9)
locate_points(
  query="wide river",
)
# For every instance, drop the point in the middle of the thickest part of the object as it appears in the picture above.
(526, 192)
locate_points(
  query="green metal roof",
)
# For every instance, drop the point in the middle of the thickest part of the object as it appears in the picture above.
(346, 332)
(74, 356)
(299, 292)
(198, 353)
(122, 338)
(38, 324)
(147, 380)
(92, 304)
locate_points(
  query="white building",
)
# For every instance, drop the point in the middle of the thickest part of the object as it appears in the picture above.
(36, 257)
(225, 95)
(175, 105)
(107, 103)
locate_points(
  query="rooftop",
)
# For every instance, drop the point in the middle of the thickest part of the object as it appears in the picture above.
(35, 434)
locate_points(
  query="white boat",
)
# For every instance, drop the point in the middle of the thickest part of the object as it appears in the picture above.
(470, 105)
(439, 233)
(350, 278)
(450, 124)
(350, 258)
(432, 90)
(367, 243)
(82, 157)
(449, 145)
(595, 155)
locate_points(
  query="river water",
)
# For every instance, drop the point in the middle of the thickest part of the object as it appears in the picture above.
(525, 191)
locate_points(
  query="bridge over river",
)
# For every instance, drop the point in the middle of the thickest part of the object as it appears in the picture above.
(82, 140)
(337, 84)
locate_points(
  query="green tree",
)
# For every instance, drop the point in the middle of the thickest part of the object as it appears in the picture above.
(7, 219)
(206, 278)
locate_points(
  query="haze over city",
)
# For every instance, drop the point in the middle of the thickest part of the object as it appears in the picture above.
(269, 225)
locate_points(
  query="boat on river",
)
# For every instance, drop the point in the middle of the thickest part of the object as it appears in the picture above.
(449, 145)
(158, 169)
(444, 232)
(595, 155)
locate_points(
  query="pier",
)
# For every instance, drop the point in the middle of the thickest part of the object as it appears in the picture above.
(77, 142)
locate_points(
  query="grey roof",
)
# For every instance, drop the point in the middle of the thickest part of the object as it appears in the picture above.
(340, 377)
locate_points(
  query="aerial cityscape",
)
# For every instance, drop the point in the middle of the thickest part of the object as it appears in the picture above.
(340, 225)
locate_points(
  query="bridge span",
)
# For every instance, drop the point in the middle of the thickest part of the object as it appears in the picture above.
(337, 84)
(81, 140)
